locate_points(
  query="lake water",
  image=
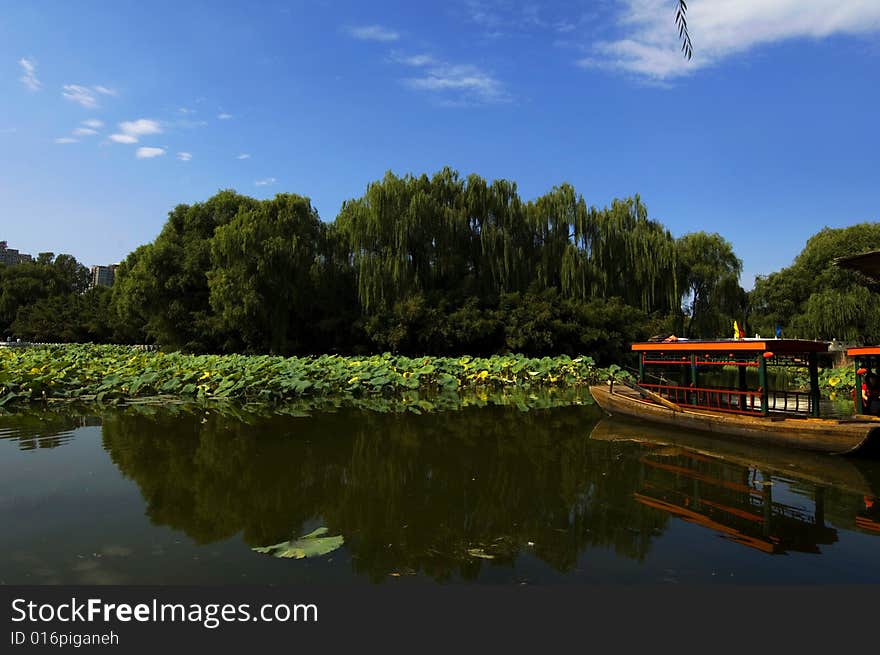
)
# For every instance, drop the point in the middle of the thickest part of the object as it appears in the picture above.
(482, 495)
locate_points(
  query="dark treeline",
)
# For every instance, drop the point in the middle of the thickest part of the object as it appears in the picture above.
(439, 265)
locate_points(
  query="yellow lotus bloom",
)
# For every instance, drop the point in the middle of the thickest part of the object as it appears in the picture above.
(834, 381)
(205, 376)
(483, 375)
(354, 379)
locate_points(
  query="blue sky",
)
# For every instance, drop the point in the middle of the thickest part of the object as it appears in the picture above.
(113, 113)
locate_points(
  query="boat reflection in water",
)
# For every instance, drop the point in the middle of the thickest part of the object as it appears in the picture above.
(774, 501)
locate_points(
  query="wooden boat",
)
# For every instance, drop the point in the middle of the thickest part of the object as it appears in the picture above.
(758, 414)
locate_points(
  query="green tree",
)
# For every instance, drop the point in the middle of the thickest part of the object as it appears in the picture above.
(166, 283)
(813, 298)
(709, 278)
(263, 279)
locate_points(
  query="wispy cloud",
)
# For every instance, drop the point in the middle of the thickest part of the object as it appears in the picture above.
(186, 111)
(266, 181)
(373, 33)
(223, 116)
(85, 131)
(29, 78)
(184, 156)
(720, 29)
(454, 84)
(94, 123)
(66, 139)
(86, 96)
(131, 131)
(149, 153)
(243, 155)
(506, 18)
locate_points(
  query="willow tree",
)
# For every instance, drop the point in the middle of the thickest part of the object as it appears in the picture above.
(709, 272)
(813, 297)
(262, 283)
(618, 251)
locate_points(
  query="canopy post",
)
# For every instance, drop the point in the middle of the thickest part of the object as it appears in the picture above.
(641, 368)
(762, 384)
(692, 400)
(860, 405)
(813, 361)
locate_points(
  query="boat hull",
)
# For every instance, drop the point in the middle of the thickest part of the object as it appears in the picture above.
(839, 437)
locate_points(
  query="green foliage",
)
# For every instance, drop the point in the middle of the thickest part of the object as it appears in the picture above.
(709, 273)
(164, 286)
(314, 544)
(115, 373)
(814, 299)
(264, 273)
(42, 299)
(440, 265)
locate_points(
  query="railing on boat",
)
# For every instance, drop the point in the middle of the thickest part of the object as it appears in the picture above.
(732, 400)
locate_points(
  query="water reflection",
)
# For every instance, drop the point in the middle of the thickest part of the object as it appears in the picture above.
(463, 494)
(441, 495)
(44, 429)
(728, 487)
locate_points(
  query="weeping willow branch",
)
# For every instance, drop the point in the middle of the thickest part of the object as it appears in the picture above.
(681, 23)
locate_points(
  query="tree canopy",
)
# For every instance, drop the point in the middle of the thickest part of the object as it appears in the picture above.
(812, 298)
(440, 264)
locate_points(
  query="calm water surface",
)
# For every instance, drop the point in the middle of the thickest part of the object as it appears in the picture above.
(487, 495)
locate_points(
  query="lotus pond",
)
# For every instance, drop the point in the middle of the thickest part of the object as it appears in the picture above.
(476, 491)
(112, 374)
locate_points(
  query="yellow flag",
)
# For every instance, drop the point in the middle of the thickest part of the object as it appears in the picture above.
(736, 333)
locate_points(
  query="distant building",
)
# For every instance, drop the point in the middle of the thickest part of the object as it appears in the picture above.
(11, 256)
(103, 276)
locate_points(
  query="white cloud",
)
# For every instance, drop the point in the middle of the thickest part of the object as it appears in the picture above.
(94, 123)
(140, 127)
(224, 116)
(184, 156)
(243, 155)
(123, 138)
(80, 94)
(649, 45)
(85, 131)
(85, 95)
(458, 84)
(29, 79)
(66, 139)
(186, 111)
(131, 131)
(373, 33)
(266, 181)
(149, 153)
(413, 60)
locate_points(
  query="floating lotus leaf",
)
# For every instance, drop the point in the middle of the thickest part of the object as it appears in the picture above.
(311, 545)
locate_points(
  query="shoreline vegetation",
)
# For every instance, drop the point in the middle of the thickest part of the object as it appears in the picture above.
(444, 264)
(98, 375)
(95, 376)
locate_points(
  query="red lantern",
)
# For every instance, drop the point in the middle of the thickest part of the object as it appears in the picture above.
(768, 355)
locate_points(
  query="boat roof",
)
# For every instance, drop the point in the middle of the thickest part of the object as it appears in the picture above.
(736, 345)
(863, 350)
(867, 264)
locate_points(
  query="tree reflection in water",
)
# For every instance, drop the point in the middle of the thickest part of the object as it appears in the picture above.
(441, 494)
(449, 493)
